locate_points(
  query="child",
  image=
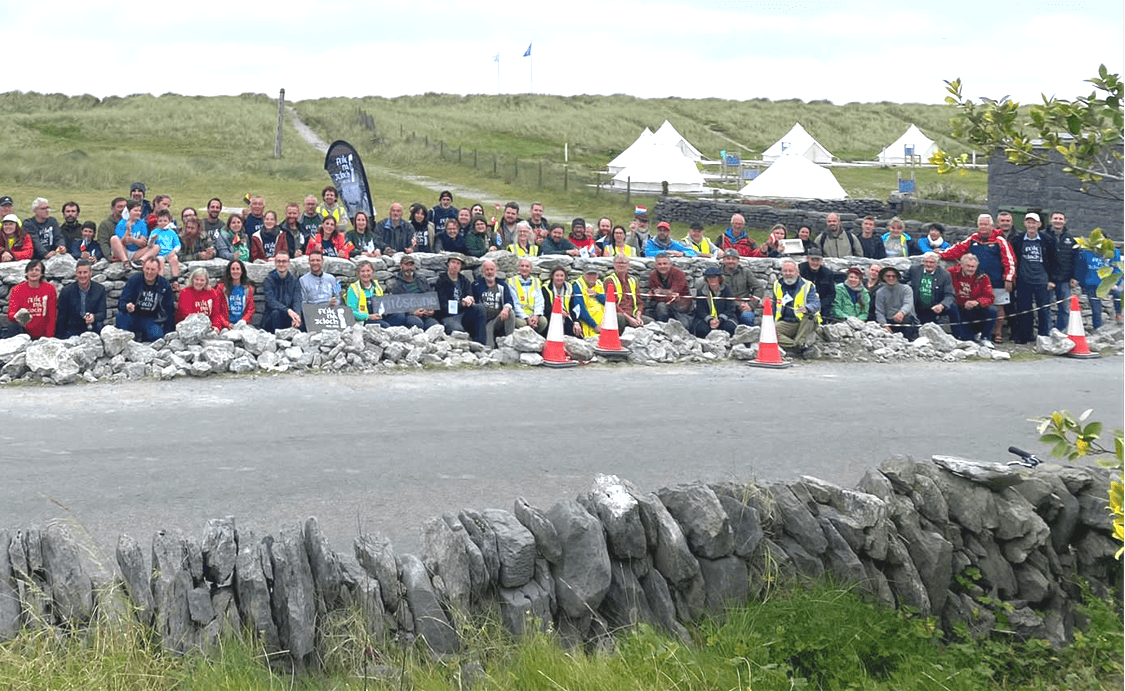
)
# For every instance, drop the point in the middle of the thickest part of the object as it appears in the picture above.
(86, 247)
(165, 237)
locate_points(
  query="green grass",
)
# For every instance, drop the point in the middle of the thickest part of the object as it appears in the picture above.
(815, 637)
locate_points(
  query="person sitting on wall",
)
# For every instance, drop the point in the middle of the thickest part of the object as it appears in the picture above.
(527, 291)
(457, 310)
(199, 297)
(452, 240)
(283, 297)
(147, 305)
(524, 246)
(237, 294)
(671, 297)
(813, 269)
(588, 304)
(797, 312)
(934, 240)
(408, 282)
(852, 298)
(896, 242)
(581, 238)
(715, 306)
(480, 240)
(496, 298)
(82, 304)
(746, 288)
(894, 305)
(701, 246)
(932, 288)
(975, 315)
(32, 304)
(630, 308)
(360, 297)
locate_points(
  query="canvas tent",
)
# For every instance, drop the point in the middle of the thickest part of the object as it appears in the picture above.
(668, 135)
(794, 177)
(797, 141)
(919, 145)
(618, 164)
(656, 163)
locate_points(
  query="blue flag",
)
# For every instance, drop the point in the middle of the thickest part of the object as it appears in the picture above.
(496, 58)
(527, 53)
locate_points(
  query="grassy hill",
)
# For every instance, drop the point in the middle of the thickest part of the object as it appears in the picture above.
(193, 148)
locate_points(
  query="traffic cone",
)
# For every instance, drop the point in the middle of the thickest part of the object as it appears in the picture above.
(769, 354)
(554, 353)
(1076, 333)
(609, 340)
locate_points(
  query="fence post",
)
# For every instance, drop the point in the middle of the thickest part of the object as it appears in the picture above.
(566, 178)
(401, 131)
(598, 184)
(517, 174)
(540, 173)
(458, 153)
(474, 158)
(628, 189)
(427, 141)
(494, 165)
(280, 123)
(441, 145)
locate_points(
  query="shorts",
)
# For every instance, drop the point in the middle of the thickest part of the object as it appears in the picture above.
(1002, 297)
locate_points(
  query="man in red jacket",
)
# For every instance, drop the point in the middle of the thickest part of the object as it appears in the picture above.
(974, 315)
(32, 304)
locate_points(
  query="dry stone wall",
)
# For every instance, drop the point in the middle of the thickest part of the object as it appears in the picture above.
(958, 540)
(194, 350)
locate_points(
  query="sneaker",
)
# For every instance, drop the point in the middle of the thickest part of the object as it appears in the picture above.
(23, 317)
(136, 264)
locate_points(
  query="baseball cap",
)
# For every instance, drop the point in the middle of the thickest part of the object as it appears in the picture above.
(1032, 215)
(6, 201)
(731, 253)
(664, 224)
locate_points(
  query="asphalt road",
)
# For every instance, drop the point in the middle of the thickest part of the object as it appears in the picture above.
(383, 453)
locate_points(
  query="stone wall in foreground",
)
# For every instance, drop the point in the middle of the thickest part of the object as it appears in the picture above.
(960, 541)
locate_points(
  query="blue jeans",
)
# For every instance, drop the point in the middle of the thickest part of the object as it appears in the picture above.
(146, 328)
(1062, 293)
(1096, 304)
(746, 318)
(967, 324)
(1025, 295)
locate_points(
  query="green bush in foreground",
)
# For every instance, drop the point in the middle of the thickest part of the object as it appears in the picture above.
(820, 638)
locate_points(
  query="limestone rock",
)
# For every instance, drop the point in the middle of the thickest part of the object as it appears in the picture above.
(377, 557)
(135, 573)
(583, 576)
(726, 581)
(114, 339)
(612, 500)
(9, 598)
(73, 570)
(444, 555)
(171, 583)
(515, 546)
(220, 550)
(293, 599)
(672, 557)
(430, 622)
(328, 577)
(194, 328)
(546, 539)
(252, 573)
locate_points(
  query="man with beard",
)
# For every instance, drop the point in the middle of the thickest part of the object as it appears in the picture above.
(797, 313)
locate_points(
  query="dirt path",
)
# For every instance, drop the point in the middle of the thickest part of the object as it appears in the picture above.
(459, 191)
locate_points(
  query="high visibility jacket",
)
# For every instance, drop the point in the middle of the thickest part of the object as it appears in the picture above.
(590, 309)
(531, 251)
(632, 291)
(526, 297)
(627, 250)
(357, 298)
(704, 248)
(799, 300)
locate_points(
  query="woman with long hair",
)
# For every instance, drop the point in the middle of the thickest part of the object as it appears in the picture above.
(618, 244)
(362, 237)
(237, 293)
(423, 229)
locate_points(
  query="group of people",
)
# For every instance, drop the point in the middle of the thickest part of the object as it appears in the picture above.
(997, 266)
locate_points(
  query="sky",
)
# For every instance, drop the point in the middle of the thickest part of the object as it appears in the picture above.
(805, 49)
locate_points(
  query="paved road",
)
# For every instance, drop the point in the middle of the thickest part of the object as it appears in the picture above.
(384, 453)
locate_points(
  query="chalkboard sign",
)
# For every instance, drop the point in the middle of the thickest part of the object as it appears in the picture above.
(409, 302)
(321, 317)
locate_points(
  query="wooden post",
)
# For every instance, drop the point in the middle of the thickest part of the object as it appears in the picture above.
(474, 158)
(401, 131)
(458, 153)
(280, 123)
(540, 173)
(628, 189)
(598, 184)
(566, 176)
(441, 146)
(516, 175)
(494, 165)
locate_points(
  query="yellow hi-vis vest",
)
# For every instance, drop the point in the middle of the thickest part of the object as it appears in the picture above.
(632, 291)
(705, 248)
(531, 251)
(590, 300)
(356, 289)
(526, 300)
(627, 250)
(798, 300)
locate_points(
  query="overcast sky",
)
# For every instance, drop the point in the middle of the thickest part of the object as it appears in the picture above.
(808, 49)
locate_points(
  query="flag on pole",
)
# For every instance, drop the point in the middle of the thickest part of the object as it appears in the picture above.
(496, 58)
(527, 53)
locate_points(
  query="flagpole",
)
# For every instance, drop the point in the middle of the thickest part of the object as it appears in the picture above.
(531, 74)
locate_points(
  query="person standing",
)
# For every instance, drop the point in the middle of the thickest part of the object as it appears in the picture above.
(1035, 267)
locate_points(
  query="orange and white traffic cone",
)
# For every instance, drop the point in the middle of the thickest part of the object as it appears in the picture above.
(769, 354)
(609, 340)
(554, 353)
(1076, 333)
